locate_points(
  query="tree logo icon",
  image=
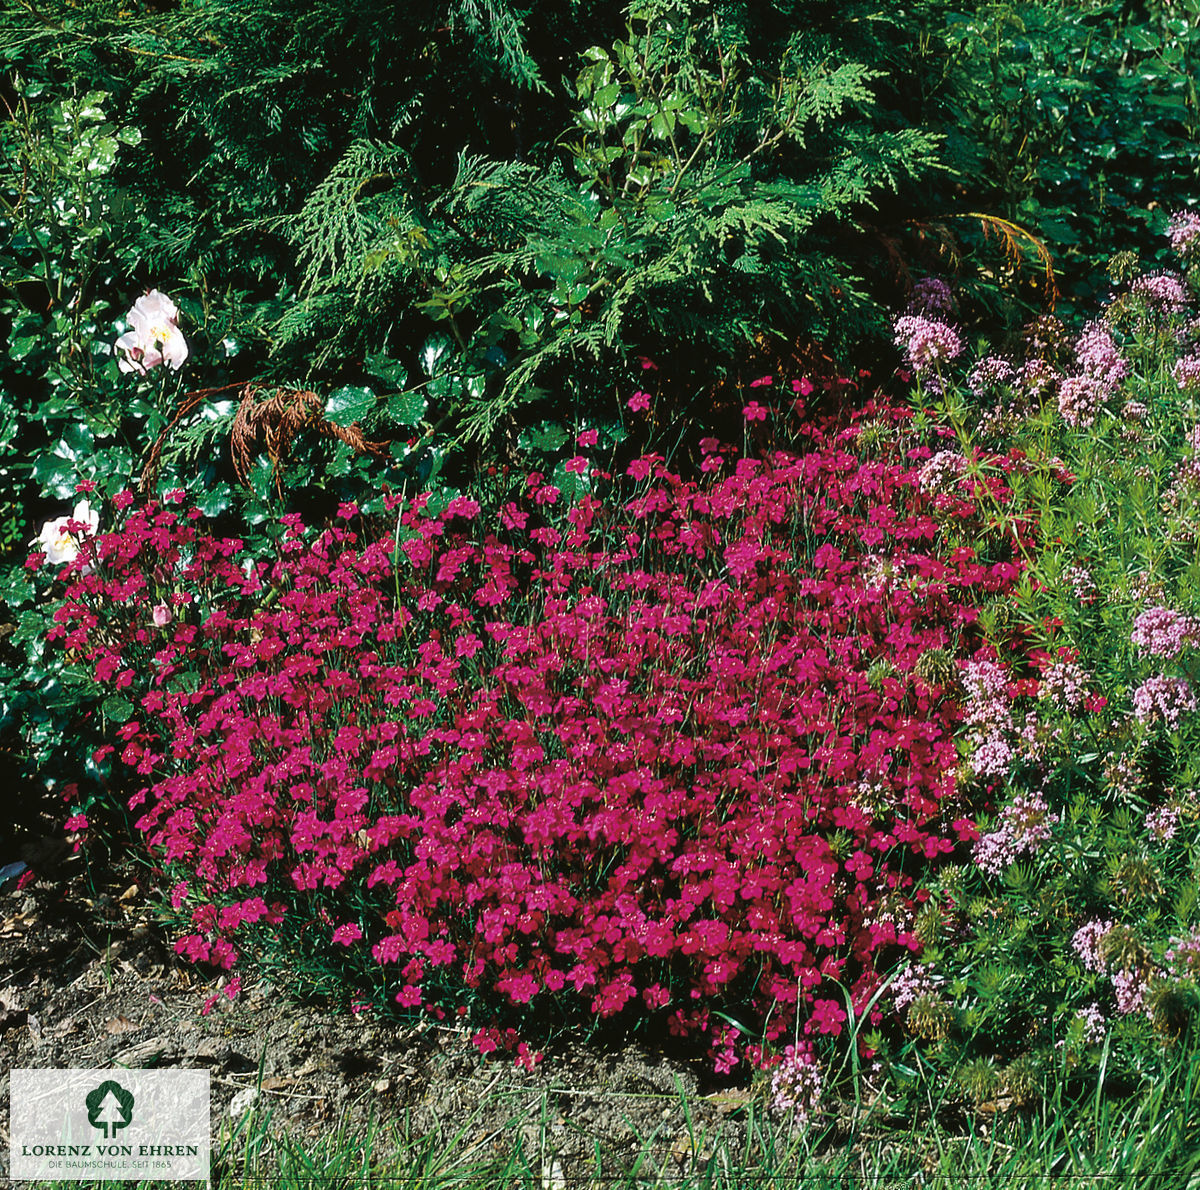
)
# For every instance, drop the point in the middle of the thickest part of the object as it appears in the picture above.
(110, 1107)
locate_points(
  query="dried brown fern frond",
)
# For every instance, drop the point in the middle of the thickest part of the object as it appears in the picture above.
(274, 424)
(189, 404)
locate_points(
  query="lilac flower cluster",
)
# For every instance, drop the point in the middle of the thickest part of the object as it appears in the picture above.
(1183, 959)
(930, 295)
(988, 718)
(1165, 698)
(1066, 684)
(1124, 775)
(990, 373)
(1163, 632)
(796, 1084)
(1164, 292)
(1130, 987)
(1044, 337)
(1080, 398)
(1099, 357)
(1135, 411)
(1094, 1024)
(913, 982)
(1086, 944)
(926, 341)
(1189, 467)
(1082, 584)
(1187, 372)
(1162, 823)
(1037, 377)
(1184, 230)
(941, 473)
(1025, 824)
(1142, 587)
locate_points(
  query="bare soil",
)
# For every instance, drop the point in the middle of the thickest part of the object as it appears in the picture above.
(88, 980)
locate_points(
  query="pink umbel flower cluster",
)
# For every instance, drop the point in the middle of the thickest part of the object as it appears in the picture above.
(1186, 373)
(988, 716)
(913, 982)
(1099, 357)
(926, 341)
(1094, 1024)
(594, 750)
(1162, 823)
(1183, 959)
(1065, 683)
(990, 373)
(1163, 632)
(1086, 943)
(1101, 370)
(1129, 985)
(1183, 228)
(1024, 825)
(941, 473)
(1080, 399)
(796, 1084)
(1037, 377)
(1163, 699)
(1082, 583)
(932, 296)
(1163, 292)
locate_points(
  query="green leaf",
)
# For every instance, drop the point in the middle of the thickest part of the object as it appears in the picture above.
(58, 469)
(350, 404)
(391, 372)
(407, 409)
(546, 437)
(214, 500)
(118, 709)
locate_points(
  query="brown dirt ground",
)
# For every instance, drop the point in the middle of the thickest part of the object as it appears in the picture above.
(87, 980)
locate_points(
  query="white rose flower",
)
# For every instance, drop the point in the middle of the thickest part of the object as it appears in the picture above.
(61, 546)
(155, 338)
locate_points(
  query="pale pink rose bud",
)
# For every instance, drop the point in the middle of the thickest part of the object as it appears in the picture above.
(161, 615)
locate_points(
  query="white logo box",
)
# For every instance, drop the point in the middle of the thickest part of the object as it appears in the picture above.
(75, 1125)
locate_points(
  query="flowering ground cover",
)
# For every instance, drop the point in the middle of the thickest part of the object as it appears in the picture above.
(682, 750)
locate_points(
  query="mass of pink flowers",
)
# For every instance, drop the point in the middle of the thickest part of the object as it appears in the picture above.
(1164, 632)
(608, 751)
(1023, 826)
